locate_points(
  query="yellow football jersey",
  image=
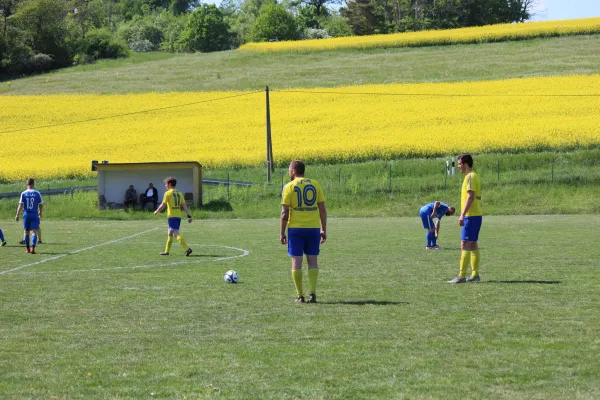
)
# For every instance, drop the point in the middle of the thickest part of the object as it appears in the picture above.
(471, 183)
(173, 199)
(302, 196)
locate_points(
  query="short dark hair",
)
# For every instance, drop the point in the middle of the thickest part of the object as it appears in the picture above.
(466, 159)
(171, 181)
(30, 181)
(298, 166)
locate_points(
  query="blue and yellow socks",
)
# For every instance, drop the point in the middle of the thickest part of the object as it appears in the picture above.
(2, 237)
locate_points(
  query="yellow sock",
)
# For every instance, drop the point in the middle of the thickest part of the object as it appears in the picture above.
(465, 257)
(169, 243)
(182, 242)
(297, 276)
(313, 274)
(475, 259)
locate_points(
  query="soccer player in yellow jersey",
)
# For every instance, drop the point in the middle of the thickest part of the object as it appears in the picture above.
(174, 201)
(303, 213)
(470, 219)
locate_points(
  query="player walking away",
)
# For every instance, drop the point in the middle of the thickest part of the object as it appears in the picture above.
(470, 219)
(303, 213)
(174, 202)
(32, 206)
(428, 213)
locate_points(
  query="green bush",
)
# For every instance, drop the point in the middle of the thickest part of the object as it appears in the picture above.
(102, 43)
(206, 31)
(275, 23)
(141, 30)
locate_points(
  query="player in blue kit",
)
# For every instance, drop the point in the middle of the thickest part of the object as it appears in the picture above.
(2, 241)
(428, 213)
(32, 205)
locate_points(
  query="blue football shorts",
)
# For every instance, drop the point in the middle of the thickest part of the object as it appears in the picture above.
(427, 221)
(470, 231)
(304, 241)
(174, 223)
(31, 222)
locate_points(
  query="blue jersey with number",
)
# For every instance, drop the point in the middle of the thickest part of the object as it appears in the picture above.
(31, 199)
(439, 213)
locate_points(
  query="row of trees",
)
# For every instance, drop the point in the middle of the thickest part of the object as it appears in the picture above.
(38, 35)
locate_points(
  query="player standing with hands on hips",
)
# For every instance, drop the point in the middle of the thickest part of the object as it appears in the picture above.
(304, 215)
(32, 206)
(470, 219)
(174, 201)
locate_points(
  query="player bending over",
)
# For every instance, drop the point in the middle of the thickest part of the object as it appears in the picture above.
(303, 213)
(428, 213)
(174, 201)
(32, 206)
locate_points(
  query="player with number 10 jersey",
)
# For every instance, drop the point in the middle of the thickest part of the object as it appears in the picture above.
(305, 217)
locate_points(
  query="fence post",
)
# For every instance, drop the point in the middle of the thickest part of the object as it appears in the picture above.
(553, 170)
(390, 178)
(228, 185)
(339, 176)
(453, 166)
(498, 170)
(269, 148)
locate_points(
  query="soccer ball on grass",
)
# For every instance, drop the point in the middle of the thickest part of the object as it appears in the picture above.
(231, 277)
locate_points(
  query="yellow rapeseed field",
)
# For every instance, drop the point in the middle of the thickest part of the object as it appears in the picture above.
(342, 124)
(489, 33)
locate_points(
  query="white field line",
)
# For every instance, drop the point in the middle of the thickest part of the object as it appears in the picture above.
(75, 252)
(244, 254)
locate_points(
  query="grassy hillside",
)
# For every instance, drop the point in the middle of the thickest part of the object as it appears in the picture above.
(235, 70)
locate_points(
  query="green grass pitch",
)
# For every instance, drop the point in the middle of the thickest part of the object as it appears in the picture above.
(99, 314)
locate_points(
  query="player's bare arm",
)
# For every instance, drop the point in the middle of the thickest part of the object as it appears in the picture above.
(187, 212)
(468, 202)
(435, 207)
(160, 208)
(19, 209)
(323, 216)
(40, 210)
(285, 216)
(437, 228)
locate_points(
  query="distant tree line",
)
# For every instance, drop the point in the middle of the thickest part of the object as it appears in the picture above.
(40, 35)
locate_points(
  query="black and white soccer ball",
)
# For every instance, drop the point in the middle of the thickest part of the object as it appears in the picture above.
(231, 277)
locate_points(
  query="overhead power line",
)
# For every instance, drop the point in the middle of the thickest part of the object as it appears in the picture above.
(437, 94)
(126, 114)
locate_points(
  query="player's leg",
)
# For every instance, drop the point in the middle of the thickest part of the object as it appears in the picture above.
(429, 227)
(39, 234)
(311, 249)
(172, 229)
(474, 228)
(295, 250)
(2, 241)
(465, 256)
(34, 240)
(183, 244)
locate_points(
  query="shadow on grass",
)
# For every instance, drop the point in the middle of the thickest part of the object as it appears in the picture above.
(527, 281)
(367, 303)
(207, 255)
(217, 205)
